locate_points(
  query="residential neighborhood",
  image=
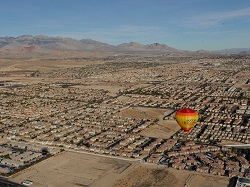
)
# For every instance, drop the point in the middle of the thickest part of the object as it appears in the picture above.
(128, 113)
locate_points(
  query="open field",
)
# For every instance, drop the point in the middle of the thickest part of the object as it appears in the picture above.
(75, 169)
(41, 64)
(161, 129)
(164, 129)
(142, 176)
(157, 176)
(20, 70)
(143, 112)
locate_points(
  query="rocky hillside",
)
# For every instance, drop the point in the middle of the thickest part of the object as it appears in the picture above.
(45, 44)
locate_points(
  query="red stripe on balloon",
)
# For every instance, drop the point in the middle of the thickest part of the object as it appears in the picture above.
(186, 112)
(186, 129)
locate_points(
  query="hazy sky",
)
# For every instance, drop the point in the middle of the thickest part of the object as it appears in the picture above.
(183, 24)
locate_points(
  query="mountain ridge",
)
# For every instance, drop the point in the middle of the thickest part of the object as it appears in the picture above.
(47, 44)
(42, 43)
(234, 51)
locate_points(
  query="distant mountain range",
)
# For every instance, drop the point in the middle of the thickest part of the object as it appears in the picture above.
(234, 51)
(46, 44)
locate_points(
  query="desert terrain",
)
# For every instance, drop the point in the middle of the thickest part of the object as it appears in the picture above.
(104, 106)
(161, 128)
(157, 176)
(69, 169)
(73, 169)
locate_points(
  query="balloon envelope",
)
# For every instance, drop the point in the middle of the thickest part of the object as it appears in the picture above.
(186, 118)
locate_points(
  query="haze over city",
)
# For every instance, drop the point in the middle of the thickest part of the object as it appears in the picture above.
(187, 25)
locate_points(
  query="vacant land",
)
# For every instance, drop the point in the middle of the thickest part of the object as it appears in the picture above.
(73, 169)
(42, 64)
(207, 181)
(161, 129)
(145, 176)
(143, 112)
(21, 70)
(157, 176)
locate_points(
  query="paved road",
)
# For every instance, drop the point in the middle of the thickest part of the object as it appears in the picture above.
(239, 146)
(88, 153)
(102, 155)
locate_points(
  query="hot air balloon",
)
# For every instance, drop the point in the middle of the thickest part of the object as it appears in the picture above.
(186, 118)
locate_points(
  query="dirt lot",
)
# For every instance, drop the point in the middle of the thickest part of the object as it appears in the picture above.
(142, 176)
(162, 129)
(142, 112)
(157, 176)
(41, 64)
(21, 69)
(207, 181)
(73, 169)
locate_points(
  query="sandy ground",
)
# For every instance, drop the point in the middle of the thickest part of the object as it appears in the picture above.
(32, 65)
(143, 112)
(161, 129)
(158, 176)
(164, 129)
(73, 169)
(143, 176)
(207, 181)
(133, 113)
(230, 142)
(243, 86)
(69, 169)
(41, 64)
